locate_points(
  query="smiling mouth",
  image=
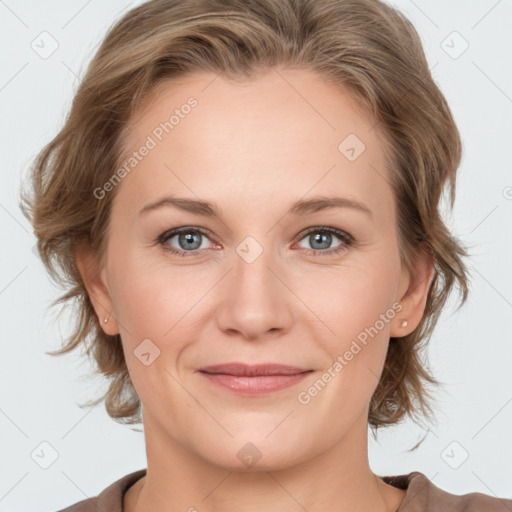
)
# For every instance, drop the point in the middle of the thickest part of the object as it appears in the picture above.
(252, 370)
(254, 379)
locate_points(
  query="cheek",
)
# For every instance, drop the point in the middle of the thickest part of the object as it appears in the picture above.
(348, 300)
(358, 314)
(357, 308)
(155, 305)
(155, 301)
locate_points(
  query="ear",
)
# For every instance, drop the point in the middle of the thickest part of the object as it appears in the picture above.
(416, 286)
(94, 279)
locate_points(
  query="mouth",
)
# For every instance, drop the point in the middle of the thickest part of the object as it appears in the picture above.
(257, 370)
(259, 379)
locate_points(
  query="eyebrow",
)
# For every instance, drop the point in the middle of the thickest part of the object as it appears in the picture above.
(301, 207)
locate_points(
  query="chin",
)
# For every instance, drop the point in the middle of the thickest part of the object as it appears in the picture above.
(254, 456)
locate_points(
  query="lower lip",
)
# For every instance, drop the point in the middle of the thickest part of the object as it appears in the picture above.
(258, 385)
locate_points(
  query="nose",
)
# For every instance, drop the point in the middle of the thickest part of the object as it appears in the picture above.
(255, 299)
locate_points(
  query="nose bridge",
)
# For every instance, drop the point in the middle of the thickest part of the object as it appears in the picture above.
(256, 300)
(253, 278)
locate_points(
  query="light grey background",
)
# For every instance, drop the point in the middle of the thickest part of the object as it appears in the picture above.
(471, 350)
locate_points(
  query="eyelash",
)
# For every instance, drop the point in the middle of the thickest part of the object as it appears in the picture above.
(347, 240)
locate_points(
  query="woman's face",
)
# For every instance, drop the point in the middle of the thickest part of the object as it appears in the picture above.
(294, 262)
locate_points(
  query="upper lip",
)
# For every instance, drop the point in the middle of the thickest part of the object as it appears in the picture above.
(247, 370)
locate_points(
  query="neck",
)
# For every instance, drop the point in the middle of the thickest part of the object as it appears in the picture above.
(336, 480)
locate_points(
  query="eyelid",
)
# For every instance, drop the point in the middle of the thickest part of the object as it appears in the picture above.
(176, 231)
(171, 233)
(348, 241)
(346, 238)
(326, 229)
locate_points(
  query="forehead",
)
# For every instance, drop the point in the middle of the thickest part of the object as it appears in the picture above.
(287, 129)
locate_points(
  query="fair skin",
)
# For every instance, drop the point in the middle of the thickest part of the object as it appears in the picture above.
(253, 150)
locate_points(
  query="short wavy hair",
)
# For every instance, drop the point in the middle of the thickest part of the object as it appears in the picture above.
(364, 46)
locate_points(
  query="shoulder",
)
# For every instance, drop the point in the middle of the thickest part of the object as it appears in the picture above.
(422, 495)
(110, 499)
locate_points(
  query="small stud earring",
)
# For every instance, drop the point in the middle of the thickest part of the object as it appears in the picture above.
(106, 319)
(404, 323)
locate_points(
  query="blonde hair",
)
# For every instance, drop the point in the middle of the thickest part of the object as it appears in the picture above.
(364, 46)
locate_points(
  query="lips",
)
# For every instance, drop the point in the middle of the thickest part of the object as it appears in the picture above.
(254, 380)
(245, 370)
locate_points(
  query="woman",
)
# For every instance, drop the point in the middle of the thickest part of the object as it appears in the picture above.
(245, 198)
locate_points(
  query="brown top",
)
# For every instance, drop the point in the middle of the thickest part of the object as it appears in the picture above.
(421, 496)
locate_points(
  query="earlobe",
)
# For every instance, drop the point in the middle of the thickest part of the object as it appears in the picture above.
(94, 280)
(414, 299)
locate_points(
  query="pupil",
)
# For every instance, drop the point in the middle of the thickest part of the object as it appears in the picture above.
(189, 239)
(318, 238)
